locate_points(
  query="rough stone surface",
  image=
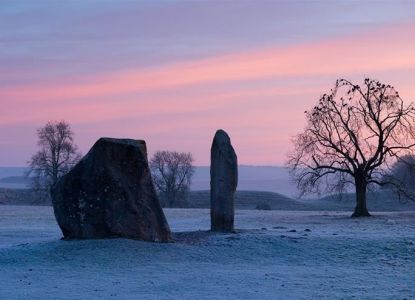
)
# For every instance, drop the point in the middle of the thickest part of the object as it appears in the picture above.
(110, 193)
(223, 182)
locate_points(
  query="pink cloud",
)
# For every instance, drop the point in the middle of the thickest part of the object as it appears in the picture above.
(257, 95)
(383, 49)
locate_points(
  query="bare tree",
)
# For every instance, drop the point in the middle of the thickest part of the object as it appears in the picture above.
(172, 173)
(352, 137)
(56, 156)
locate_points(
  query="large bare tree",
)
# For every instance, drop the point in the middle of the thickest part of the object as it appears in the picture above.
(172, 173)
(57, 154)
(353, 135)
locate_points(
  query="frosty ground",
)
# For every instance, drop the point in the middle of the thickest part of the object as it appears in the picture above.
(273, 255)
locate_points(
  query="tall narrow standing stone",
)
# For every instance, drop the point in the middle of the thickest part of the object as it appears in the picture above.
(223, 182)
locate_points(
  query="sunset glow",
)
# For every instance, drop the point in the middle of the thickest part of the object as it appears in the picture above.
(256, 90)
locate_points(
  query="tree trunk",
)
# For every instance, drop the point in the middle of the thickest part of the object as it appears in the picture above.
(361, 187)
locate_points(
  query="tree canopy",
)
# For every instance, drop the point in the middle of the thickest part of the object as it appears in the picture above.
(57, 154)
(172, 173)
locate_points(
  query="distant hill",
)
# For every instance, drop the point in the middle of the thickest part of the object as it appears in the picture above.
(13, 178)
(259, 187)
(380, 201)
(252, 178)
(18, 197)
(376, 201)
(249, 200)
(15, 182)
(12, 171)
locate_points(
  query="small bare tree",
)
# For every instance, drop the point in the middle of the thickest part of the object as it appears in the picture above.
(56, 156)
(401, 177)
(172, 173)
(353, 135)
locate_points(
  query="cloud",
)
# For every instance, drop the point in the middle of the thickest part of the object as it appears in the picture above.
(259, 95)
(384, 49)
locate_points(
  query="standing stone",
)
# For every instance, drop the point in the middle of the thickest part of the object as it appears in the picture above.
(110, 193)
(223, 182)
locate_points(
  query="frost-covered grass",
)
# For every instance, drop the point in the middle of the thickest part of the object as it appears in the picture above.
(273, 255)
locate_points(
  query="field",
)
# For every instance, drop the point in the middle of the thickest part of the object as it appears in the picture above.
(273, 255)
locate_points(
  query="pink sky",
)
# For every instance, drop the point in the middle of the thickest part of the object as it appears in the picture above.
(257, 94)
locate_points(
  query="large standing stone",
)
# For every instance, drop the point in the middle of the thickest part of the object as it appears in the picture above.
(223, 182)
(110, 192)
